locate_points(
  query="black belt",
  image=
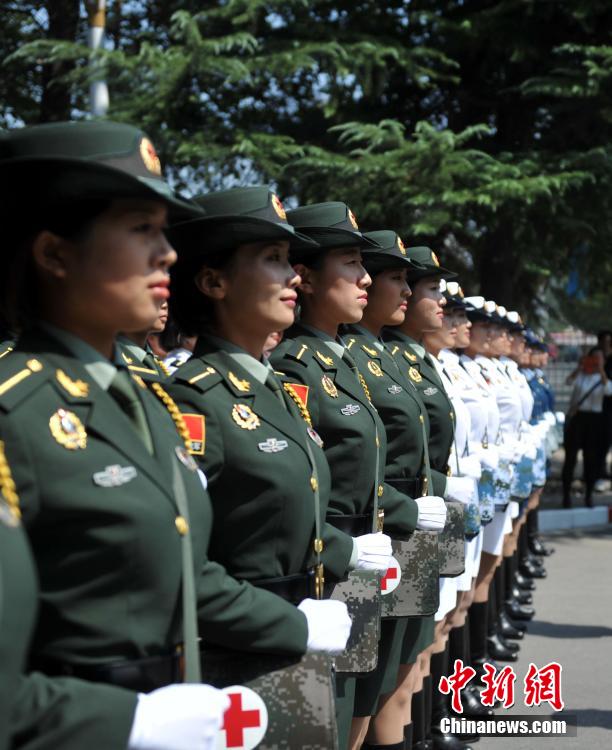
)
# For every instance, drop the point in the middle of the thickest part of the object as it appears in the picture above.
(410, 486)
(355, 525)
(294, 588)
(140, 675)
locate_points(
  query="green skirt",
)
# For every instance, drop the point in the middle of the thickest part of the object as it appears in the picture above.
(383, 679)
(418, 636)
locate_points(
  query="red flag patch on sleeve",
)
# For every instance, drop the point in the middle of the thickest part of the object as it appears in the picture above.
(197, 433)
(301, 391)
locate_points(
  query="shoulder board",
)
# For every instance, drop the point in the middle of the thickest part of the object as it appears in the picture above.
(198, 375)
(298, 351)
(22, 375)
(146, 373)
(350, 343)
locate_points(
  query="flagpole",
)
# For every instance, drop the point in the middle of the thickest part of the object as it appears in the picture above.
(98, 91)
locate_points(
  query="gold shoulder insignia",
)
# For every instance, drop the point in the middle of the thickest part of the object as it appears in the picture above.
(8, 350)
(326, 360)
(395, 350)
(208, 371)
(74, 387)
(148, 370)
(33, 365)
(350, 343)
(127, 359)
(242, 385)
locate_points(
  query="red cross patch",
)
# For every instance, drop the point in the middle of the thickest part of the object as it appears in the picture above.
(197, 433)
(391, 580)
(245, 722)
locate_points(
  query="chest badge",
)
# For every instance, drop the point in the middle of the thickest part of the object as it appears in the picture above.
(350, 409)
(395, 389)
(415, 375)
(114, 476)
(273, 445)
(329, 387)
(245, 417)
(314, 436)
(326, 360)
(374, 368)
(68, 430)
(430, 391)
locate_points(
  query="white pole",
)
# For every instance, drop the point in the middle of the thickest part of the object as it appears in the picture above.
(98, 91)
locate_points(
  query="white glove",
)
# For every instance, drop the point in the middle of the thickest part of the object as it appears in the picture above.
(373, 552)
(432, 513)
(560, 416)
(508, 450)
(489, 457)
(463, 489)
(530, 451)
(329, 625)
(469, 466)
(178, 717)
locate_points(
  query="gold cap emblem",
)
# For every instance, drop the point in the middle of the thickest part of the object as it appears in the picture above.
(434, 259)
(278, 207)
(149, 157)
(402, 247)
(352, 219)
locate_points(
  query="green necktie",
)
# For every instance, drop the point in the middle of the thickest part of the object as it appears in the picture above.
(273, 384)
(124, 393)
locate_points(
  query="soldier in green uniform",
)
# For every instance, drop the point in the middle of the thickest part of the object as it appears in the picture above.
(136, 350)
(114, 505)
(407, 425)
(425, 313)
(332, 292)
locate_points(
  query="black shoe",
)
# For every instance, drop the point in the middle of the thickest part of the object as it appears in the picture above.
(535, 560)
(519, 612)
(508, 629)
(422, 745)
(538, 548)
(498, 651)
(472, 707)
(522, 597)
(524, 582)
(531, 571)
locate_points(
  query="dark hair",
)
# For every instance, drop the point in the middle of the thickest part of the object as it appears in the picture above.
(18, 298)
(602, 335)
(192, 311)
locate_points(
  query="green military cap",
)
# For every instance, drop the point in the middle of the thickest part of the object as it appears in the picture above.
(236, 217)
(330, 224)
(429, 264)
(66, 161)
(391, 253)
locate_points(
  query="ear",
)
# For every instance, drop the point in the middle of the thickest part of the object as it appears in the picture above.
(211, 282)
(306, 276)
(50, 254)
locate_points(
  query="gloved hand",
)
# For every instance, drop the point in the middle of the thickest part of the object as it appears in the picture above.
(373, 552)
(469, 466)
(178, 717)
(489, 457)
(508, 450)
(432, 513)
(329, 625)
(463, 489)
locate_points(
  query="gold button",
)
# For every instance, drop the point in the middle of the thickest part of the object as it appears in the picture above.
(34, 365)
(181, 525)
(421, 420)
(314, 484)
(318, 545)
(380, 490)
(377, 442)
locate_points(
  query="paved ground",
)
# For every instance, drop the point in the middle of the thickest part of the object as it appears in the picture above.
(573, 625)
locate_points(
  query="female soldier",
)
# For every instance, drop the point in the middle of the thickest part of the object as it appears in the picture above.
(92, 451)
(425, 313)
(332, 292)
(406, 425)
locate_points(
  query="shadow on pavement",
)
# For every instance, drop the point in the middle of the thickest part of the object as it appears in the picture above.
(592, 717)
(569, 630)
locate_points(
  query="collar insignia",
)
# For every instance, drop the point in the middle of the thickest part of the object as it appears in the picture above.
(74, 387)
(241, 385)
(371, 352)
(410, 357)
(326, 360)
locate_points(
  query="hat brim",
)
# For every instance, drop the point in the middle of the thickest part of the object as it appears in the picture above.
(75, 179)
(211, 234)
(478, 316)
(455, 303)
(436, 271)
(329, 238)
(376, 261)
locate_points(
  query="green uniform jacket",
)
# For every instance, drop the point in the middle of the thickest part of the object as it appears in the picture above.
(399, 406)
(109, 557)
(435, 399)
(350, 428)
(260, 479)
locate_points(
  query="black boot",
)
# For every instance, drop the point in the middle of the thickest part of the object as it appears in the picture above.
(427, 691)
(512, 589)
(408, 735)
(527, 566)
(508, 629)
(536, 545)
(440, 708)
(519, 611)
(418, 721)
(478, 632)
(523, 582)
(501, 651)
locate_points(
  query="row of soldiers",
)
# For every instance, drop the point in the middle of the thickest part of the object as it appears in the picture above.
(252, 552)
